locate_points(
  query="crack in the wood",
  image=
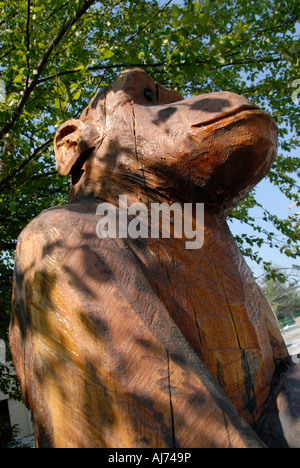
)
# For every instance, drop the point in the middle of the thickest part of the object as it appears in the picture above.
(136, 152)
(171, 404)
(247, 374)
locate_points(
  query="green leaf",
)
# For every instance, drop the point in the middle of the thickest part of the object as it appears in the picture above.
(77, 95)
(188, 19)
(18, 78)
(106, 53)
(203, 19)
(175, 22)
(80, 67)
(175, 10)
(37, 9)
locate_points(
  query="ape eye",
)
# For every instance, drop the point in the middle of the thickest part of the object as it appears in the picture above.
(148, 95)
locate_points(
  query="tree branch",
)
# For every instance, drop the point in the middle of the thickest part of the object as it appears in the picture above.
(35, 176)
(28, 42)
(56, 11)
(7, 53)
(149, 22)
(26, 161)
(249, 62)
(8, 245)
(32, 85)
(103, 67)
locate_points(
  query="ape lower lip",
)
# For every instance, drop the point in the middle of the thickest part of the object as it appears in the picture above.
(226, 115)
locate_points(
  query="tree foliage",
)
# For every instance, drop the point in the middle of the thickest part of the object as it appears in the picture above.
(9, 437)
(55, 54)
(282, 288)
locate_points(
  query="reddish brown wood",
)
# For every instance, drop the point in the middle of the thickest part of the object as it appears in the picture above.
(143, 343)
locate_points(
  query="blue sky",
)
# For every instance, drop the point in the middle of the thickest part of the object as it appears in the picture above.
(271, 198)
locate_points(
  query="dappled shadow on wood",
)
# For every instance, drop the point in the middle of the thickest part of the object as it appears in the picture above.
(140, 342)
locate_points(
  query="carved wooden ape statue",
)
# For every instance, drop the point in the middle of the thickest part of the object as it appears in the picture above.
(142, 342)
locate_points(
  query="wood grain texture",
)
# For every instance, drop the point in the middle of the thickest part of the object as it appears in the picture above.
(102, 352)
(141, 342)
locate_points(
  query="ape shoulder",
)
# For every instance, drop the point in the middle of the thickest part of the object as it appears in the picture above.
(45, 234)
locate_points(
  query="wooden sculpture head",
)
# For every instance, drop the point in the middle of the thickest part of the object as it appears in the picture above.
(211, 148)
(141, 342)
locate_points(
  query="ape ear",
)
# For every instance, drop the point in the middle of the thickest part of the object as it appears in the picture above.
(72, 139)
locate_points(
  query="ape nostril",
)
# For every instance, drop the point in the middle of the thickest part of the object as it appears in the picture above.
(148, 95)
